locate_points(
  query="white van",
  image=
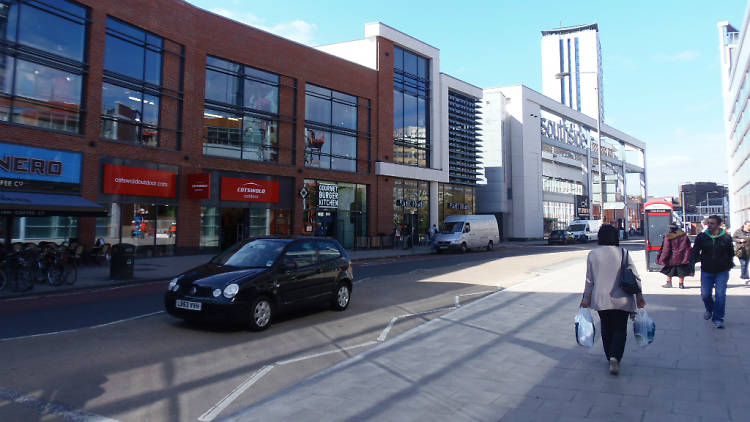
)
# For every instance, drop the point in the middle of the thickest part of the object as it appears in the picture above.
(585, 230)
(464, 232)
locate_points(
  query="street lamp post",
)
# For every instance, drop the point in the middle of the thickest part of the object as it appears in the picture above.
(598, 138)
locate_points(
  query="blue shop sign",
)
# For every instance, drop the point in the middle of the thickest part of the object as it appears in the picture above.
(39, 164)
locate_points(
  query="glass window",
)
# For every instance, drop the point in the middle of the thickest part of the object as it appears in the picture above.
(131, 93)
(45, 95)
(47, 29)
(248, 128)
(327, 250)
(411, 99)
(302, 253)
(330, 136)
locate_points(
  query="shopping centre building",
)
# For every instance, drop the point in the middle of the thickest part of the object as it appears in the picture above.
(734, 47)
(174, 129)
(542, 167)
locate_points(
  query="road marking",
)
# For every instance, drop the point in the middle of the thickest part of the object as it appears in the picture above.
(362, 280)
(52, 408)
(387, 329)
(214, 411)
(342, 349)
(106, 324)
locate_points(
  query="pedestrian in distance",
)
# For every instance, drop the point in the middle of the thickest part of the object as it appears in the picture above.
(604, 294)
(715, 251)
(675, 256)
(741, 239)
(433, 236)
(704, 223)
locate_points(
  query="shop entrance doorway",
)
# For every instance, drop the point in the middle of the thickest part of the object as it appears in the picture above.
(411, 226)
(233, 226)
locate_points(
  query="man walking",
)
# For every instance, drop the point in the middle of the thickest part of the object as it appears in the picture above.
(714, 249)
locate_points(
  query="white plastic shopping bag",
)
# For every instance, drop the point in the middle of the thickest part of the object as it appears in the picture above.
(644, 328)
(584, 326)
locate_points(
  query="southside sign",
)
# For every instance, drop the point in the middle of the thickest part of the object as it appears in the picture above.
(249, 190)
(124, 180)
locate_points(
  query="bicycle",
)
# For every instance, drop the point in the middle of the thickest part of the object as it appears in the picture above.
(62, 269)
(18, 271)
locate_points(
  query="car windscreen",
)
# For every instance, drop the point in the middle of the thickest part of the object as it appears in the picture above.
(256, 253)
(453, 227)
(577, 227)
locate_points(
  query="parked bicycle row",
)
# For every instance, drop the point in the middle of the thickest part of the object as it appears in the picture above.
(22, 267)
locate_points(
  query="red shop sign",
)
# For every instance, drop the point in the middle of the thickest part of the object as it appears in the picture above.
(199, 186)
(125, 180)
(248, 190)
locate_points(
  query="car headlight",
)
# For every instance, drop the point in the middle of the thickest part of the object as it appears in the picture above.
(217, 292)
(231, 290)
(173, 284)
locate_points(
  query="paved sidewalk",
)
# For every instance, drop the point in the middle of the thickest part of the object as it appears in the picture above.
(512, 356)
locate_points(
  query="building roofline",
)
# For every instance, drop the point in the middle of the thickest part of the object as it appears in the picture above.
(569, 29)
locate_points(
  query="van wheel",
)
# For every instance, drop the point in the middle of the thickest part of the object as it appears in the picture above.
(464, 249)
(261, 313)
(489, 246)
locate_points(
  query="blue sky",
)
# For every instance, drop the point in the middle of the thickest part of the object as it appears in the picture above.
(662, 81)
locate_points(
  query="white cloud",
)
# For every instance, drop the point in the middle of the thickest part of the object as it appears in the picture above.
(296, 30)
(682, 56)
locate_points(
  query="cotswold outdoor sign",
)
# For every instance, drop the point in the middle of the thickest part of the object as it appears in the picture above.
(410, 203)
(328, 195)
(569, 133)
(30, 169)
(249, 190)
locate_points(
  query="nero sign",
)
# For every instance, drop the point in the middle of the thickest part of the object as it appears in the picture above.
(328, 195)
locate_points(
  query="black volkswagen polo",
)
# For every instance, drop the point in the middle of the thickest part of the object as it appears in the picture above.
(254, 279)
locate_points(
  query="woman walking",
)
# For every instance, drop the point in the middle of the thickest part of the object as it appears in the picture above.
(741, 239)
(603, 294)
(675, 256)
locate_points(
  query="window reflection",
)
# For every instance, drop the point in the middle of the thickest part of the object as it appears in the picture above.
(50, 32)
(411, 98)
(131, 94)
(240, 113)
(330, 136)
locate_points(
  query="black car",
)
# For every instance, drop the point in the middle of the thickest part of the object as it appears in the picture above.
(561, 236)
(254, 279)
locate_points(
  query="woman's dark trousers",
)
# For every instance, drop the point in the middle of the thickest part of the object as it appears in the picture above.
(614, 332)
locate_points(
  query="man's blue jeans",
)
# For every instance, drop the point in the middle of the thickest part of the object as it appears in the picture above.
(708, 282)
(743, 269)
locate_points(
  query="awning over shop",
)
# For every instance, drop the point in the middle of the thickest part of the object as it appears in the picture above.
(21, 204)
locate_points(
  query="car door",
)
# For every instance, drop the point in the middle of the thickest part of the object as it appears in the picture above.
(298, 272)
(329, 256)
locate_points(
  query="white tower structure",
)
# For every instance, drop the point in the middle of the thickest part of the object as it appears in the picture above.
(571, 62)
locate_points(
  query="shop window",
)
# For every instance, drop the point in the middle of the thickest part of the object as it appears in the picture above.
(133, 93)
(50, 37)
(210, 227)
(240, 118)
(151, 228)
(331, 129)
(56, 229)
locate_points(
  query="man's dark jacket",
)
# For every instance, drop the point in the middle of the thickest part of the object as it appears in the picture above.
(714, 253)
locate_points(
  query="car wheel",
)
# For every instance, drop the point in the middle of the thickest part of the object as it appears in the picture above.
(489, 246)
(464, 249)
(341, 297)
(261, 313)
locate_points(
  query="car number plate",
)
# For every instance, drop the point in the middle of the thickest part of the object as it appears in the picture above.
(443, 247)
(191, 306)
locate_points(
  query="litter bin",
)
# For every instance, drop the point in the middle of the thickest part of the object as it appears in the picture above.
(122, 262)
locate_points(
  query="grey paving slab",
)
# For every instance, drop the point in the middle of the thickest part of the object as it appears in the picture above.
(512, 356)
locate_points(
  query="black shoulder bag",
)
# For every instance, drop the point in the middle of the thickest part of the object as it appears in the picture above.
(628, 282)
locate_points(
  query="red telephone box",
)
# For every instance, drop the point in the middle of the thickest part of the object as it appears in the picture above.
(658, 216)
